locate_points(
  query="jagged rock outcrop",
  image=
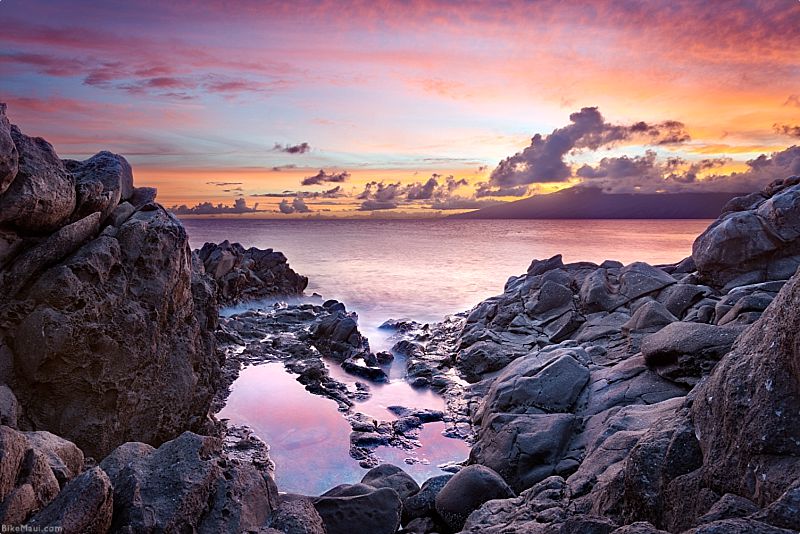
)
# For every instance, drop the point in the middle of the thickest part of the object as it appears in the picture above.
(249, 274)
(187, 484)
(105, 328)
(755, 240)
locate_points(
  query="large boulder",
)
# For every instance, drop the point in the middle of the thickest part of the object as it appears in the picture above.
(359, 508)
(9, 157)
(545, 381)
(102, 182)
(27, 483)
(755, 241)
(119, 336)
(297, 516)
(523, 449)
(391, 476)
(467, 491)
(684, 352)
(41, 197)
(249, 274)
(186, 485)
(84, 506)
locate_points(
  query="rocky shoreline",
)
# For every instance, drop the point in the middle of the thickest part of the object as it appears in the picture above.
(597, 398)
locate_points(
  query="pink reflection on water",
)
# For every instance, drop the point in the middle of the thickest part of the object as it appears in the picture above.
(309, 437)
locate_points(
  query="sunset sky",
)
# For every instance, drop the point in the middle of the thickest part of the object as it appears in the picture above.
(410, 108)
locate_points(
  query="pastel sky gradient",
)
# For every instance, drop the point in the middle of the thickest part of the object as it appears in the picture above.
(197, 94)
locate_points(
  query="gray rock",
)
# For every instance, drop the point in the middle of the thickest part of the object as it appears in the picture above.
(539, 510)
(784, 512)
(423, 503)
(747, 414)
(142, 196)
(639, 278)
(467, 491)
(391, 476)
(101, 181)
(599, 292)
(9, 157)
(484, 357)
(56, 247)
(121, 213)
(683, 352)
(737, 526)
(248, 274)
(42, 196)
(122, 313)
(541, 382)
(549, 302)
(678, 298)
(9, 407)
(640, 527)
(523, 449)
(63, 457)
(649, 317)
(27, 484)
(627, 382)
(297, 516)
(754, 243)
(167, 489)
(84, 506)
(728, 507)
(351, 508)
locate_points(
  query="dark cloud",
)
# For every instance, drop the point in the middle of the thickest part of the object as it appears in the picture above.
(280, 168)
(322, 177)
(298, 205)
(418, 191)
(374, 205)
(543, 160)
(648, 173)
(785, 129)
(335, 192)
(207, 208)
(302, 148)
(224, 184)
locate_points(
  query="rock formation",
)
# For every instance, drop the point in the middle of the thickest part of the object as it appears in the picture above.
(251, 274)
(105, 329)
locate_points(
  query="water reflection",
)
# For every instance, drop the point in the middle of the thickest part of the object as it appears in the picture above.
(310, 437)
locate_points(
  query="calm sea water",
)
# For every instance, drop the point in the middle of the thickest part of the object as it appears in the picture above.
(422, 270)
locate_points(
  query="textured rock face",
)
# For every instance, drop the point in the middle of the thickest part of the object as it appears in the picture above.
(84, 506)
(32, 465)
(9, 157)
(105, 328)
(102, 182)
(747, 415)
(186, 485)
(249, 274)
(118, 340)
(755, 241)
(42, 196)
